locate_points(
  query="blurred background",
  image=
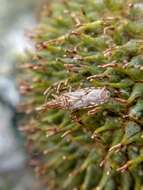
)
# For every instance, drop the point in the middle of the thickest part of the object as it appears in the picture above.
(16, 16)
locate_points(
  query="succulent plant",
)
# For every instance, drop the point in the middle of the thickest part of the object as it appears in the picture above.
(84, 95)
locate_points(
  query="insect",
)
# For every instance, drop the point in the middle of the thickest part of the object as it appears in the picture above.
(79, 99)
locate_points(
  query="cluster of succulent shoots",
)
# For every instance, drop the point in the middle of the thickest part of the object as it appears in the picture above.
(84, 95)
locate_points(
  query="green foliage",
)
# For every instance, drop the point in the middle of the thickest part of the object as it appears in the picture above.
(86, 47)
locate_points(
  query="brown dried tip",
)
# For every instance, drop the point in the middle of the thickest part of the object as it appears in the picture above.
(124, 167)
(25, 87)
(108, 65)
(27, 66)
(115, 147)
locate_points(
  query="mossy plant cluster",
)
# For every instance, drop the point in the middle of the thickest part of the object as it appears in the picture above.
(84, 95)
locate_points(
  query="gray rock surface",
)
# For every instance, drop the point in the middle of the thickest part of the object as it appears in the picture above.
(15, 17)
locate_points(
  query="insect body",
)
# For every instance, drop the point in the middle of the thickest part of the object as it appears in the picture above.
(79, 99)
